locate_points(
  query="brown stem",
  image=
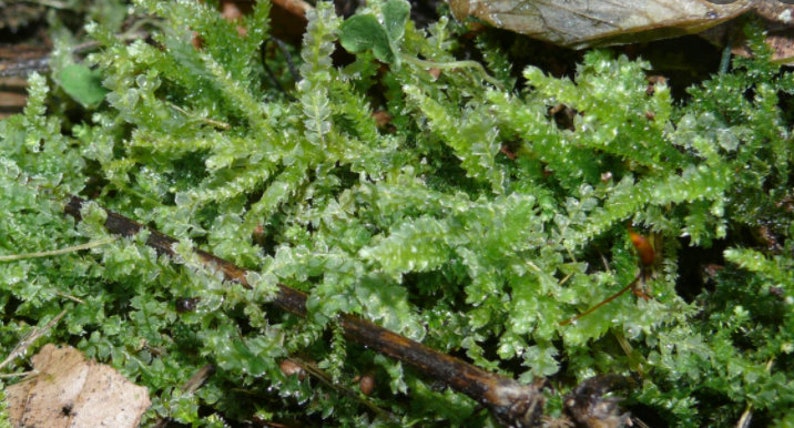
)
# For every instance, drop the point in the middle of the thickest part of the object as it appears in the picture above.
(632, 284)
(513, 404)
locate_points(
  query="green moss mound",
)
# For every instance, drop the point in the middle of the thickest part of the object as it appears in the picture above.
(471, 221)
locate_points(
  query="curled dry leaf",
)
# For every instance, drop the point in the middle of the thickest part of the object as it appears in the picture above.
(585, 23)
(69, 391)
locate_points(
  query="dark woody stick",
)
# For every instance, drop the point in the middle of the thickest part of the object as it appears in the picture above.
(513, 404)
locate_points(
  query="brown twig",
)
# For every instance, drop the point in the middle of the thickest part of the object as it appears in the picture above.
(513, 404)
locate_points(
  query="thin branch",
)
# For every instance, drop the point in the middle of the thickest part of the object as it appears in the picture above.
(36, 333)
(604, 302)
(67, 250)
(513, 404)
(452, 65)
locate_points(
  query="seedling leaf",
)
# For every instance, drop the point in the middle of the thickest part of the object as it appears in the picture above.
(82, 84)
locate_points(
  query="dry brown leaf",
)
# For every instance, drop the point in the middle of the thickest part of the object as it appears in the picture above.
(782, 47)
(584, 23)
(69, 391)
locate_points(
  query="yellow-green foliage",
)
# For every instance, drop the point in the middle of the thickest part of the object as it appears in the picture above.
(423, 226)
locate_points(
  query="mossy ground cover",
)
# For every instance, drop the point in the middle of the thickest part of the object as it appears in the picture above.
(469, 220)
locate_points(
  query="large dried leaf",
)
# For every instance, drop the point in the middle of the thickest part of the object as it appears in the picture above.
(68, 391)
(583, 23)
